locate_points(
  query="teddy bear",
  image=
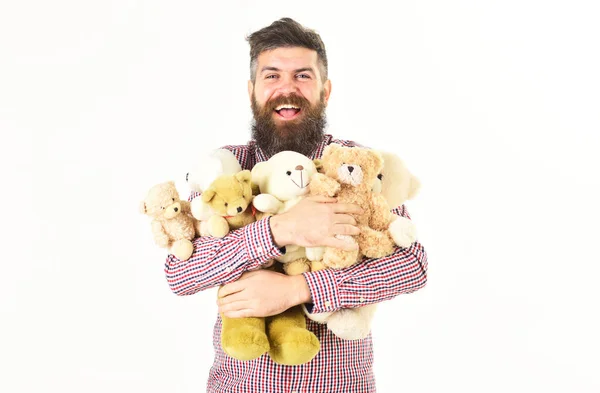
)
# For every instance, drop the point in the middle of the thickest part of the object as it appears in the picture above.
(283, 181)
(283, 336)
(207, 168)
(348, 173)
(172, 224)
(395, 184)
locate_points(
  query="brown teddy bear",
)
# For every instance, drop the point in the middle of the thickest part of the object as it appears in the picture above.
(283, 336)
(229, 196)
(172, 225)
(348, 173)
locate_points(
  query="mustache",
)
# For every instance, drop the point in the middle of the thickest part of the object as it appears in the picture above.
(290, 99)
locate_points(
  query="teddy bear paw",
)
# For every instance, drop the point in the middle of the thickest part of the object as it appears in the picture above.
(182, 249)
(403, 231)
(244, 343)
(294, 347)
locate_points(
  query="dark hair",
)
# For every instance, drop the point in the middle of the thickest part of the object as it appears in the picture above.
(286, 33)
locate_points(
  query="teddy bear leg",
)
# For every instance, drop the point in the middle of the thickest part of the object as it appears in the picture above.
(291, 343)
(244, 338)
(320, 317)
(182, 249)
(217, 226)
(316, 266)
(297, 267)
(375, 244)
(352, 323)
(315, 253)
(337, 259)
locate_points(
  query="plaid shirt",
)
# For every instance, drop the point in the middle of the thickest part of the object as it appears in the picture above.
(341, 365)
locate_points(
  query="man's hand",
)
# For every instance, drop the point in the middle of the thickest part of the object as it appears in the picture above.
(262, 293)
(314, 222)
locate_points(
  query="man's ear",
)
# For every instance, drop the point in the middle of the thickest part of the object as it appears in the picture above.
(326, 91)
(250, 90)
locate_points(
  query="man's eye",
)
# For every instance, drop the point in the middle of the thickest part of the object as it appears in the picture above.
(271, 76)
(304, 76)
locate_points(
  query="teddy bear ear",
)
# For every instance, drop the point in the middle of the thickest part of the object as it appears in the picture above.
(208, 195)
(244, 176)
(259, 174)
(415, 186)
(318, 164)
(330, 149)
(142, 207)
(377, 159)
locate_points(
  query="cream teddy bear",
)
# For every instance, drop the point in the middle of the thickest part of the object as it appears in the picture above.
(283, 181)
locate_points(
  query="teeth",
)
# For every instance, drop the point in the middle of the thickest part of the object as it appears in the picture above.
(286, 106)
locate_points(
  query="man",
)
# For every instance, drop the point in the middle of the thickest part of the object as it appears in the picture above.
(289, 91)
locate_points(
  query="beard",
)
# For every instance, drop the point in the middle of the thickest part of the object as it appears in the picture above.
(301, 135)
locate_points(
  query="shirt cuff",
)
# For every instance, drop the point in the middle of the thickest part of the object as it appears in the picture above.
(259, 243)
(323, 288)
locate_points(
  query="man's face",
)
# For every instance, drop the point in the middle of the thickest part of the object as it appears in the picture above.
(288, 100)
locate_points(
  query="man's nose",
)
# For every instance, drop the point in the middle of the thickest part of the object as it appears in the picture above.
(288, 86)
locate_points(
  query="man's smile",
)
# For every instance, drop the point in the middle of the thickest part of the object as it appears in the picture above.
(287, 112)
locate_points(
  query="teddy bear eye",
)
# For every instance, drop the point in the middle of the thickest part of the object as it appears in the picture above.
(288, 173)
(380, 176)
(173, 199)
(226, 204)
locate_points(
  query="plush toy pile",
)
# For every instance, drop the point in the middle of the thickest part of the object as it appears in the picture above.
(228, 198)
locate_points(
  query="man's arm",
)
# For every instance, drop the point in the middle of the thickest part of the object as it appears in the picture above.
(264, 293)
(371, 281)
(218, 261)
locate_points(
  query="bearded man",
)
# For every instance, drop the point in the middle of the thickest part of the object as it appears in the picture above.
(289, 90)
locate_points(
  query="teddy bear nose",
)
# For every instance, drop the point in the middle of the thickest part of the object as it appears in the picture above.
(350, 169)
(239, 209)
(299, 167)
(176, 209)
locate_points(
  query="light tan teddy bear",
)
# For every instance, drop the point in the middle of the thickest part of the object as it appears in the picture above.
(172, 225)
(348, 173)
(395, 184)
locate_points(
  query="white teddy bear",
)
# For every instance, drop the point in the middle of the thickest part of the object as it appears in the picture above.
(283, 181)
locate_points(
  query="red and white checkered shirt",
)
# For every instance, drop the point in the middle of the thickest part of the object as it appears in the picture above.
(341, 365)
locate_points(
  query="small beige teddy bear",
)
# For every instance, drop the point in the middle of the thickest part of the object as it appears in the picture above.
(172, 224)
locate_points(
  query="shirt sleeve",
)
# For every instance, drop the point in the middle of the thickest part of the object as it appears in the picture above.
(219, 261)
(371, 281)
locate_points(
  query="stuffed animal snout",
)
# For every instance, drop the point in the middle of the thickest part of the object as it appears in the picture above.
(172, 210)
(350, 174)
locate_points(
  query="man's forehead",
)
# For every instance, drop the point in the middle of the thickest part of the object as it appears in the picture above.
(288, 59)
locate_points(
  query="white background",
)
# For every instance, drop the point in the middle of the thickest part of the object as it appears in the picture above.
(493, 104)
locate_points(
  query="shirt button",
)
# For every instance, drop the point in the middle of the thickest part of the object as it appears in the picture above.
(229, 269)
(362, 299)
(328, 304)
(259, 249)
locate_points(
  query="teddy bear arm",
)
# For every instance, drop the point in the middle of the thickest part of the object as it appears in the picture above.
(200, 209)
(321, 184)
(381, 216)
(267, 203)
(185, 207)
(160, 236)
